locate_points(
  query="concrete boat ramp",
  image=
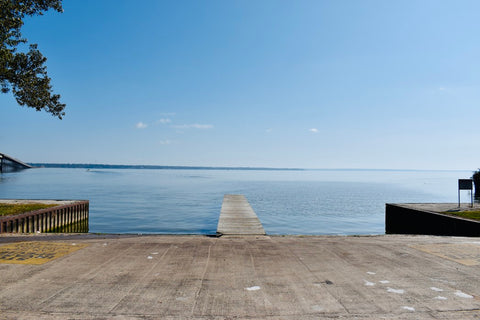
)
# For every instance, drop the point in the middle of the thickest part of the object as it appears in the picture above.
(238, 276)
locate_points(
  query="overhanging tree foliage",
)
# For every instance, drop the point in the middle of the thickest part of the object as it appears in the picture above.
(25, 73)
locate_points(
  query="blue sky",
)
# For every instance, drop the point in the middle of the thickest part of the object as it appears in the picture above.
(310, 84)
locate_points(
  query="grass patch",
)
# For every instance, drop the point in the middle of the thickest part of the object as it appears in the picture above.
(473, 215)
(9, 209)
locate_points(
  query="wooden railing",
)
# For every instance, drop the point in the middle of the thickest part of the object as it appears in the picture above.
(72, 217)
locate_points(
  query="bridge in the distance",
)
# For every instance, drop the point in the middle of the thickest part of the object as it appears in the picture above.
(9, 164)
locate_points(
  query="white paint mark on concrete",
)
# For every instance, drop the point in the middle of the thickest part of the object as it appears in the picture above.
(254, 288)
(371, 273)
(436, 289)
(409, 308)
(440, 298)
(154, 252)
(384, 281)
(368, 283)
(444, 281)
(399, 291)
(317, 308)
(472, 242)
(463, 295)
(149, 257)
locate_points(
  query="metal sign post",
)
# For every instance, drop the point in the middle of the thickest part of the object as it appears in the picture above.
(465, 184)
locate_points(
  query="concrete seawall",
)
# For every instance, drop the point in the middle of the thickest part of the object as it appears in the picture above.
(427, 219)
(67, 216)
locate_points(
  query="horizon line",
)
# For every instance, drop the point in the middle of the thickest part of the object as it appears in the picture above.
(185, 167)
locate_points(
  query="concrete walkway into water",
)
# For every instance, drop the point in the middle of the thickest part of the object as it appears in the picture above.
(238, 218)
(239, 277)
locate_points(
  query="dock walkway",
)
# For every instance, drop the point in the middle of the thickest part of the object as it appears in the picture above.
(238, 218)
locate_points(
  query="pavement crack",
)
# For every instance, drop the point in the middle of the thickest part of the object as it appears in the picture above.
(159, 260)
(267, 302)
(88, 276)
(197, 294)
(302, 262)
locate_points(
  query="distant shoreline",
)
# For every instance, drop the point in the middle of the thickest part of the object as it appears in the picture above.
(158, 167)
(122, 166)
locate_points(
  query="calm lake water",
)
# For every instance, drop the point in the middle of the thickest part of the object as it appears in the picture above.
(188, 201)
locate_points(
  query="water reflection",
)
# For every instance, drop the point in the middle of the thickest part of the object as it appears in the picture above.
(76, 227)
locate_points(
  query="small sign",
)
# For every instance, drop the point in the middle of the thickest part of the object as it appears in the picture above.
(465, 184)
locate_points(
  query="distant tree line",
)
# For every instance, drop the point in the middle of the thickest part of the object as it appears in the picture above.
(476, 181)
(120, 166)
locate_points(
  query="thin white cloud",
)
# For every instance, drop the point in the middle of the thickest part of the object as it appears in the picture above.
(194, 126)
(313, 130)
(165, 142)
(444, 90)
(164, 121)
(268, 130)
(141, 125)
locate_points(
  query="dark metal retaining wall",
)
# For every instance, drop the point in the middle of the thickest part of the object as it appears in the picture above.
(402, 220)
(71, 217)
